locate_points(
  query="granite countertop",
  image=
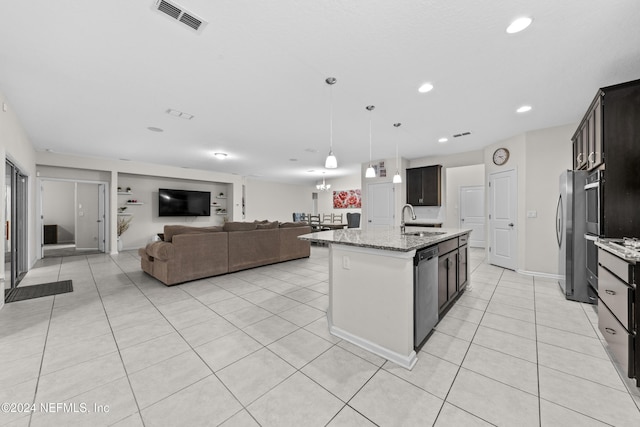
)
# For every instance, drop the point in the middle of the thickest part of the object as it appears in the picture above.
(615, 247)
(389, 239)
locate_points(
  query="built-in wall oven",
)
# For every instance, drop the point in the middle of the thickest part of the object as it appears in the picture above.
(594, 193)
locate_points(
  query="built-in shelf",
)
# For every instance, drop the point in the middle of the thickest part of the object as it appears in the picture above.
(124, 193)
(135, 203)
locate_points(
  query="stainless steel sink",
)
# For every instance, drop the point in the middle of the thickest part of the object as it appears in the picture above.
(424, 233)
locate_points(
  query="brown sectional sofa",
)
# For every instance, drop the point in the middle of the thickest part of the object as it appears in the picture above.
(190, 253)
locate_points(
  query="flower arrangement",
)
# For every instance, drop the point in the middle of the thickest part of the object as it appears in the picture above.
(123, 225)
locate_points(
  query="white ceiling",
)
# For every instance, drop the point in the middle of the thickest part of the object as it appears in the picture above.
(89, 77)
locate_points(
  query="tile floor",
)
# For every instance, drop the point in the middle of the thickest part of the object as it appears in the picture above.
(252, 348)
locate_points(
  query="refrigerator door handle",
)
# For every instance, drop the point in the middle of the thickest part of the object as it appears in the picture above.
(559, 224)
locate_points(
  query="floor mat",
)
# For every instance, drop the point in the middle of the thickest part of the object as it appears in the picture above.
(37, 291)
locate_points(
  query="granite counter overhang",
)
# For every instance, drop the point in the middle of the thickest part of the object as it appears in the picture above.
(386, 240)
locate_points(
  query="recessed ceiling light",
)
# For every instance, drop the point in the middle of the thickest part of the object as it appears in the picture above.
(524, 109)
(155, 129)
(293, 160)
(519, 25)
(220, 156)
(442, 140)
(426, 87)
(311, 150)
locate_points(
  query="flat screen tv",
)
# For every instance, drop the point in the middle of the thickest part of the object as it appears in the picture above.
(183, 203)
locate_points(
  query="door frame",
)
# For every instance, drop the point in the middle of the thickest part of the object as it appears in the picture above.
(460, 224)
(105, 214)
(491, 223)
(18, 228)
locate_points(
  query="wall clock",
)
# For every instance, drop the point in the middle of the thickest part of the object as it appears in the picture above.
(500, 156)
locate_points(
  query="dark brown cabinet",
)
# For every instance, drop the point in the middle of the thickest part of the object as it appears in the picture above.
(424, 186)
(587, 141)
(452, 270)
(607, 140)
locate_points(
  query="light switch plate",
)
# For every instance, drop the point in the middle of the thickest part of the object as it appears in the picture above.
(532, 214)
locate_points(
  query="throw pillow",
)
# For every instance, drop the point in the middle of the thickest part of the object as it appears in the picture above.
(293, 224)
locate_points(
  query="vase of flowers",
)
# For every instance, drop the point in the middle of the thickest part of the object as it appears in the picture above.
(123, 225)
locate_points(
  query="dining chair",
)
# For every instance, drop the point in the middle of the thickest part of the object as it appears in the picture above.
(336, 218)
(353, 220)
(327, 217)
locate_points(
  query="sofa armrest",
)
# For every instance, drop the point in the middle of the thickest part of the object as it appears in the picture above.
(160, 250)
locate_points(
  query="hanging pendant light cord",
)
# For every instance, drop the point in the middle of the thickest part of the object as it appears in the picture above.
(331, 118)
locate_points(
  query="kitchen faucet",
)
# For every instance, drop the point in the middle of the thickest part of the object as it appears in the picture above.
(413, 216)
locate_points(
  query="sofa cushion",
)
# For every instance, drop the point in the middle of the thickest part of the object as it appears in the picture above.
(174, 230)
(293, 224)
(240, 226)
(160, 250)
(267, 225)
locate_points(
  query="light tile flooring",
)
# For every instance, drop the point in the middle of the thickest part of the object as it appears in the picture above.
(252, 348)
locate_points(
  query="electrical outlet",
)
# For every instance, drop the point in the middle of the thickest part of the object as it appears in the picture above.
(532, 214)
(346, 263)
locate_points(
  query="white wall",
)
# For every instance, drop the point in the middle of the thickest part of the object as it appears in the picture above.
(145, 222)
(276, 201)
(325, 198)
(58, 208)
(548, 153)
(109, 169)
(456, 177)
(15, 145)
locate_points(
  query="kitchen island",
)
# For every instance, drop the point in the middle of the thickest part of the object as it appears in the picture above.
(371, 284)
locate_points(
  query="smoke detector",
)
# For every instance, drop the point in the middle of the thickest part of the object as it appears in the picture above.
(180, 14)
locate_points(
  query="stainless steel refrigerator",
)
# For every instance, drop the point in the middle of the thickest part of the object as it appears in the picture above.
(570, 230)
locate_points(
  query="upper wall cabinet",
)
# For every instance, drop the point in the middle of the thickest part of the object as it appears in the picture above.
(424, 186)
(588, 139)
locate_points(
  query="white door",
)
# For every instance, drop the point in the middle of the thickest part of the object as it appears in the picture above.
(503, 208)
(102, 223)
(472, 214)
(380, 205)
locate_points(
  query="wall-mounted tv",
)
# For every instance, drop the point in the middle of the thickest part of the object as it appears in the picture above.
(183, 203)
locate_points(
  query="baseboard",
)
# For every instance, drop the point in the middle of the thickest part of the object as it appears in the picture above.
(538, 274)
(407, 362)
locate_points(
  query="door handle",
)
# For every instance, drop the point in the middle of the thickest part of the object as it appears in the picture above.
(510, 224)
(368, 220)
(611, 331)
(610, 292)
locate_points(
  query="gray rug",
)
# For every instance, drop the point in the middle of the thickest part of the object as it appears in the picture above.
(37, 291)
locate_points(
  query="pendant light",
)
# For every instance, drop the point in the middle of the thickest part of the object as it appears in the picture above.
(371, 172)
(331, 162)
(397, 179)
(323, 186)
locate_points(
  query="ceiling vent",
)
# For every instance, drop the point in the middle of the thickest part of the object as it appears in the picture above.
(178, 13)
(458, 135)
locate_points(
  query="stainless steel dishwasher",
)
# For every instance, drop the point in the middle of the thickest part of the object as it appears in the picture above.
(425, 294)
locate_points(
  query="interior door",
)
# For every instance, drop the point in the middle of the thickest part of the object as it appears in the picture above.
(503, 208)
(472, 214)
(380, 205)
(102, 223)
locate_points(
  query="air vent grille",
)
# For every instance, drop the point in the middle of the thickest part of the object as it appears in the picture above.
(190, 21)
(178, 13)
(169, 9)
